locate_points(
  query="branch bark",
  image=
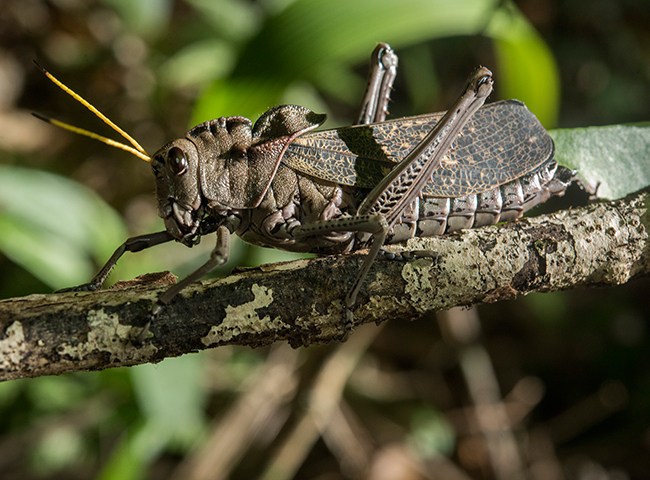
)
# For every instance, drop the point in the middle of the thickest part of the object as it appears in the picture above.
(301, 301)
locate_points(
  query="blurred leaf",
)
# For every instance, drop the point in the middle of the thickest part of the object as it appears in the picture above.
(58, 448)
(56, 394)
(149, 18)
(615, 158)
(318, 41)
(172, 395)
(134, 453)
(260, 256)
(312, 33)
(248, 98)
(172, 399)
(312, 40)
(303, 93)
(431, 434)
(197, 63)
(417, 66)
(9, 391)
(45, 254)
(232, 19)
(54, 227)
(527, 69)
(552, 309)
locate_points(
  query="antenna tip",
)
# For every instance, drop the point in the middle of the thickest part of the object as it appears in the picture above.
(42, 117)
(40, 67)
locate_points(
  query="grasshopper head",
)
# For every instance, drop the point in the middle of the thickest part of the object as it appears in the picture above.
(179, 201)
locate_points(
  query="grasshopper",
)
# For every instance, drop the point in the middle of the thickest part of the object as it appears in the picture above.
(280, 184)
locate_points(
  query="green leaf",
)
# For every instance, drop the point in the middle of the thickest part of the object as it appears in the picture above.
(135, 452)
(230, 18)
(54, 227)
(149, 18)
(319, 41)
(48, 256)
(615, 158)
(172, 400)
(431, 435)
(246, 97)
(197, 63)
(171, 395)
(311, 33)
(527, 69)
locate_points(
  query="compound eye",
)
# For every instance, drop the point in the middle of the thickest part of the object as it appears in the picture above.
(176, 161)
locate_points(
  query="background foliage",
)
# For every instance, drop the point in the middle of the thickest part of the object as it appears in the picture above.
(157, 67)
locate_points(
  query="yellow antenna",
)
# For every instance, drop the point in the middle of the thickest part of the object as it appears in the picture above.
(81, 131)
(138, 151)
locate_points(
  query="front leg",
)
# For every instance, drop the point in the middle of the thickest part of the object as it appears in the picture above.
(218, 257)
(133, 244)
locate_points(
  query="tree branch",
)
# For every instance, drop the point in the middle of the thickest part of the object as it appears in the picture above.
(301, 301)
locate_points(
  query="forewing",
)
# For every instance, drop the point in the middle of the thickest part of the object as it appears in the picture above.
(501, 142)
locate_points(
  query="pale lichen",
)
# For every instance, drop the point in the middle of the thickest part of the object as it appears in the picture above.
(418, 283)
(462, 269)
(108, 335)
(13, 347)
(244, 319)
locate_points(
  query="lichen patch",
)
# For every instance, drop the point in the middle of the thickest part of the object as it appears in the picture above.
(463, 268)
(108, 335)
(13, 347)
(245, 319)
(418, 283)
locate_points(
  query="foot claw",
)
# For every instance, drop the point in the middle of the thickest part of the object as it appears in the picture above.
(348, 322)
(144, 333)
(415, 254)
(156, 308)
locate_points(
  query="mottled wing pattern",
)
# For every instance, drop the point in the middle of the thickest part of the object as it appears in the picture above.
(502, 142)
